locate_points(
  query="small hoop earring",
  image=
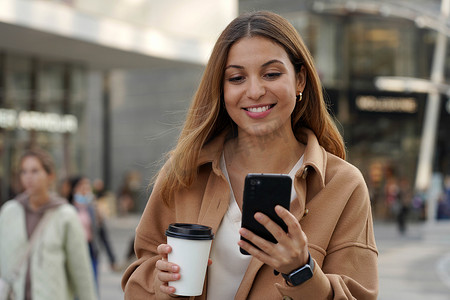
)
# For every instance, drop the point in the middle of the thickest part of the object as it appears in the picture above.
(299, 97)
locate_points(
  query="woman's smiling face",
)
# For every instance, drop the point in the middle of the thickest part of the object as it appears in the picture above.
(260, 86)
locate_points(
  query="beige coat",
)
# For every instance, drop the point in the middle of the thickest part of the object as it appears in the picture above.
(338, 224)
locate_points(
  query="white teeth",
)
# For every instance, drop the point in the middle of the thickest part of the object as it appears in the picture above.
(258, 109)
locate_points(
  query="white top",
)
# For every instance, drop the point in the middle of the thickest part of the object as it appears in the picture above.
(229, 265)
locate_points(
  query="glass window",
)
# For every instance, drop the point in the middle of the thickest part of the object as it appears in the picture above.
(18, 82)
(2, 78)
(16, 74)
(447, 61)
(78, 96)
(51, 87)
(381, 47)
(324, 47)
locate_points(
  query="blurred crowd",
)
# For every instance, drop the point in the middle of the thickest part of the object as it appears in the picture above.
(95, 204)
(394, 199)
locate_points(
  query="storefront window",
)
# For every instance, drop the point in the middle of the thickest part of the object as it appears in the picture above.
(383, 139)
(380, 47)
(45, 100)
(51, 76)
(326, 38)
(18, 82)
(2, 130)
(17, 95)
(78, 82)
(447, 61)
(51, 87)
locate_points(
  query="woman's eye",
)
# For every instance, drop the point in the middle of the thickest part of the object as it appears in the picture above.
(236, 79)
(273, 75)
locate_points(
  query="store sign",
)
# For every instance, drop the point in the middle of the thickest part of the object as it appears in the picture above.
(387, 104)
(34, 120)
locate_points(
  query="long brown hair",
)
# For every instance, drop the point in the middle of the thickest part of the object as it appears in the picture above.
(207, 116)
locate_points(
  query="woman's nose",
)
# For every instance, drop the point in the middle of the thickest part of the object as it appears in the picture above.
(255, 89)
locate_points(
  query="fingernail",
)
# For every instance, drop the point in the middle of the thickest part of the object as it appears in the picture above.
(174, 268)
(258, 217)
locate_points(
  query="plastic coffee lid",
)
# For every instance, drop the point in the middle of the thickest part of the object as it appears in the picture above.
(190, 231)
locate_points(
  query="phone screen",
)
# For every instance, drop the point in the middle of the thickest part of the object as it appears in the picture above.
(262, 192)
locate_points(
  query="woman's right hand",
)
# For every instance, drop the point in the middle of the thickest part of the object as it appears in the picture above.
(166, 271)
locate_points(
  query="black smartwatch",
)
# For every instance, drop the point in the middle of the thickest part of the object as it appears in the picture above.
(300, 275)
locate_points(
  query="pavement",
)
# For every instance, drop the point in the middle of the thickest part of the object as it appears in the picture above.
(415, 265)
(412, 266)
(121, 233)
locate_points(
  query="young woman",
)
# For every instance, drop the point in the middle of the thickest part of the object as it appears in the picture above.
(59, 266)
(259, 109)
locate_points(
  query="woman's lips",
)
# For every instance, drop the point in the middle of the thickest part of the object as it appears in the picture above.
(258, 112)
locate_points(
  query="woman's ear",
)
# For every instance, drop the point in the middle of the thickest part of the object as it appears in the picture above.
(301, 79)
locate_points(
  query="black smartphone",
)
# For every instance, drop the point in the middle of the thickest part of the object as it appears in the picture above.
(262, 192)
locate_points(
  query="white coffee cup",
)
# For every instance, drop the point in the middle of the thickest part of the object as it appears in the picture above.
(190, 244)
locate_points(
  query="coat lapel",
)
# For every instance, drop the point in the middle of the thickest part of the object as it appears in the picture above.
(215, 202)
(217, 193)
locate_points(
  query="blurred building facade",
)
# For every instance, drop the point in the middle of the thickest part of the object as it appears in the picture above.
(99, 83)
(120, 76)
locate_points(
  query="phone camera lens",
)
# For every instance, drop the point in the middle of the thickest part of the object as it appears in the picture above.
(255, 182)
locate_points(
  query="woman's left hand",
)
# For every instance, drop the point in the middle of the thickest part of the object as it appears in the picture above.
(291, 251)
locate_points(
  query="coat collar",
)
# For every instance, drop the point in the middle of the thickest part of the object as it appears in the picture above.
(55, 200)
(314, 157)
(309, 179)
(212, 151)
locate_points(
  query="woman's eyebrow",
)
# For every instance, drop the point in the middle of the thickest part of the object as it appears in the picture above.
(234, 66)
(272, 61)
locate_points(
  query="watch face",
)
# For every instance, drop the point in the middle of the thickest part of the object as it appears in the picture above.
(301, 275)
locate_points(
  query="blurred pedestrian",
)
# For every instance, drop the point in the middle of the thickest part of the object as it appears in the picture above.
(104, 206)
(404, 199)
(82, 197)
(105, 200)
(444, 200)
(129, 192)
(259, 108)
(398, 198)
(392, 193)
(58, 265)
